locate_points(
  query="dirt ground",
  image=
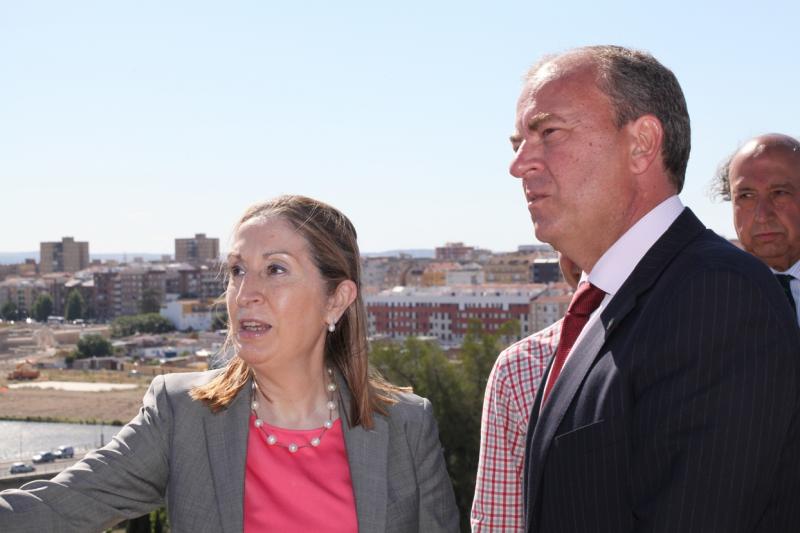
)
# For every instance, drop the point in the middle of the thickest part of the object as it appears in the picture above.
(63, 406)
(107, 407)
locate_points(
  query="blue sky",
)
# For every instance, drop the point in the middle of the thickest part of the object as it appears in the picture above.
(128, 124)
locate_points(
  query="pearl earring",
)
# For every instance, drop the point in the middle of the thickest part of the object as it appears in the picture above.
(331, 326)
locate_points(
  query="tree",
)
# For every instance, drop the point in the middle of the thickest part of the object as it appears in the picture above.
(43, 307)
(75, 305)
(9, 311)
(146, 323)
(93, 346)
(151, 301)
(455, 388)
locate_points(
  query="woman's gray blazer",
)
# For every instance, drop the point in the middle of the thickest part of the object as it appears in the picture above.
(177, 450)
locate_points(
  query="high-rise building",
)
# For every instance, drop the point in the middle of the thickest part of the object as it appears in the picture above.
(65, 256)
(199, 249)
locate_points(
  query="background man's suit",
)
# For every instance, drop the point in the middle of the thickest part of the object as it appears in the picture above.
(678, 409)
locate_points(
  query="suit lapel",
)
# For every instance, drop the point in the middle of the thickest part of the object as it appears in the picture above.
(226, 437)
(544, 425)
(547, 423)
(685, 229)
(367, 453)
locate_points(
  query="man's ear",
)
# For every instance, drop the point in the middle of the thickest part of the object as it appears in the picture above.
(344, 295)
(646, 136)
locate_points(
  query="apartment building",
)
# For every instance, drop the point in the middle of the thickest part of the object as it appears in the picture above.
(388, 272)
(205, 282)
(455, 251)
(513, 267)
(55, 284)
(550, 306)
(68, 255)
(546, 270)
(120, 291)
(445, 312)
(22, 292)
(197, 250)
(465, 274)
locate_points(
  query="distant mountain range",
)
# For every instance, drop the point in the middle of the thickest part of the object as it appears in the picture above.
(10, 258)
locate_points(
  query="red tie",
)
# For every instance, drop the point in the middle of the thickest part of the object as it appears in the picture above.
(584, 302)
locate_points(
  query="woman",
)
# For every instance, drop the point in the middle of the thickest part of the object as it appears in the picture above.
(294, 434)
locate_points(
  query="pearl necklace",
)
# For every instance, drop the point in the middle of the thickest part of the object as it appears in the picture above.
(272, 440)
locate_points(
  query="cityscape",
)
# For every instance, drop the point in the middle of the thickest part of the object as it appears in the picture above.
(428, 297)
(433, 298)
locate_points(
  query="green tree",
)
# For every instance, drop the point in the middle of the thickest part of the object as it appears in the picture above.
(93, 346)
(159, 521)
(43, 307)
(146, 323)
(76, 305)
(150, 302)
(9, 311)
(455, 388)
(480, 349)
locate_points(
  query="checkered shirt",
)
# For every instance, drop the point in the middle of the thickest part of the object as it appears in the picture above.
(507, 404)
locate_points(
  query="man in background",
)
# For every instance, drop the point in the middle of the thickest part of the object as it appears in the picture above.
(510, 393)
(762, 182)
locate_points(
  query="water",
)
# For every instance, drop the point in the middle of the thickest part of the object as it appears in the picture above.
(30, 438)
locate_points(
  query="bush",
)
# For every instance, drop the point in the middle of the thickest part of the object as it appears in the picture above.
(93, 346)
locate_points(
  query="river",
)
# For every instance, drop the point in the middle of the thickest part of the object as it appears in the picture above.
(21, 440)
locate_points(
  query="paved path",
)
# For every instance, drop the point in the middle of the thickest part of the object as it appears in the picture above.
(74, 386)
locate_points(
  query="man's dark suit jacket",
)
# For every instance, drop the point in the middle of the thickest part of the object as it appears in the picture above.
(678, 411)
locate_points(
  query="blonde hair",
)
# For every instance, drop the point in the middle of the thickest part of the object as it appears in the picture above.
(332, 243)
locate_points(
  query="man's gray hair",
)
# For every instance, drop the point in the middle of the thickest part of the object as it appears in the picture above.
(721, 184)
(637, 84)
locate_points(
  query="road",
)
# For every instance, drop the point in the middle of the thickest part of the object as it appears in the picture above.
(54, 468)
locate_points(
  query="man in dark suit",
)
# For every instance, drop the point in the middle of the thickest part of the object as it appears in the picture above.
(673, 401)
(762, 181)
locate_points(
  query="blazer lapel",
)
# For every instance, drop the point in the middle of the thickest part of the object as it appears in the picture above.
(685, 228)
(548, 421)
(367, 453)
(226, 437)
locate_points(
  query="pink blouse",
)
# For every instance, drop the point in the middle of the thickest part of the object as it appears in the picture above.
(309, 490)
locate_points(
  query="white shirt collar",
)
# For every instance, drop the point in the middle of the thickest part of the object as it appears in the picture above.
(793, 270)
(617, 263)
(794, 284)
